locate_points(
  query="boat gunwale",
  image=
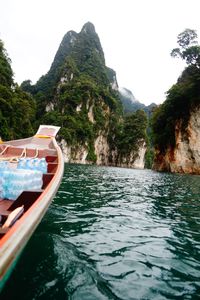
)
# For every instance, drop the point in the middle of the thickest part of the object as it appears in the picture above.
(12, 243)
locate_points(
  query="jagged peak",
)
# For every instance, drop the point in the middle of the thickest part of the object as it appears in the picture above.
(71, 33)
(88, 28)
(69, 36)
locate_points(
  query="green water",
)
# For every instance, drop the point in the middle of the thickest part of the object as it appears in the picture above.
(114, 233)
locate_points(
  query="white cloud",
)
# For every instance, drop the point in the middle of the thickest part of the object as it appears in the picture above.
(137, 37)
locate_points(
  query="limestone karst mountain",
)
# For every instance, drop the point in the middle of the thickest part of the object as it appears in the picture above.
(80, 94)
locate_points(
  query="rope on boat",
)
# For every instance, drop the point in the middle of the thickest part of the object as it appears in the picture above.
(36, 153)
(15, 159)
(23, 154)
(4, 150)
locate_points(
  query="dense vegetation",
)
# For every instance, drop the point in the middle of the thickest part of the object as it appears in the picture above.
(131, 133)
(182, 96)
(17, 108)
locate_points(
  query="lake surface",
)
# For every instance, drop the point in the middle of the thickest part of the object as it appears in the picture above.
(114, 233)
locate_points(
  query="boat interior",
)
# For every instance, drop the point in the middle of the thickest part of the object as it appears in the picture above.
(29, 148)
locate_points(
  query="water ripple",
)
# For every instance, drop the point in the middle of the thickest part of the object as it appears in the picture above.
(114, 233)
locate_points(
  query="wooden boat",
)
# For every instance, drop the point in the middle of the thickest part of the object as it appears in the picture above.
(29, 208)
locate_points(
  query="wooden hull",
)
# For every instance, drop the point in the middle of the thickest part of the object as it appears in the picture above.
(13, 242)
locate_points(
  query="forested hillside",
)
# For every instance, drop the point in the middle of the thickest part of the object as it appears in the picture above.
(17, 108)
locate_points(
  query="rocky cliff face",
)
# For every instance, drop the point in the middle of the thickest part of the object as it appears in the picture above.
(185, 156)
(104, 155)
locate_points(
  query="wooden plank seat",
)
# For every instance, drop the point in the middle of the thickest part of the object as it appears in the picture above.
(26, 199)
(11, 219)
(51, 159)
(52, 167)
(47, 179)
(4, 206)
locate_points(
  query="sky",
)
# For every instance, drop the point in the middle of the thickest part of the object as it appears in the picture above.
(137, 37)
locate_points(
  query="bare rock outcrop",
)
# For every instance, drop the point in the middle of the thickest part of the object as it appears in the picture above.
(185, 156)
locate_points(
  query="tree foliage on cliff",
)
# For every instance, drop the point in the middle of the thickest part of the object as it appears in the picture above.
(17, 108)
(182, 97)
(129, 134)
(188, 49)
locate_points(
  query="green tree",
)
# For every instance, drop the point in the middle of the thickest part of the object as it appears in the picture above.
(17, 108)
(6, 73)
(188, 48)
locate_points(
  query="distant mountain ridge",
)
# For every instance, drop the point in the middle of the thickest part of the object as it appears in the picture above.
(131, 104)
